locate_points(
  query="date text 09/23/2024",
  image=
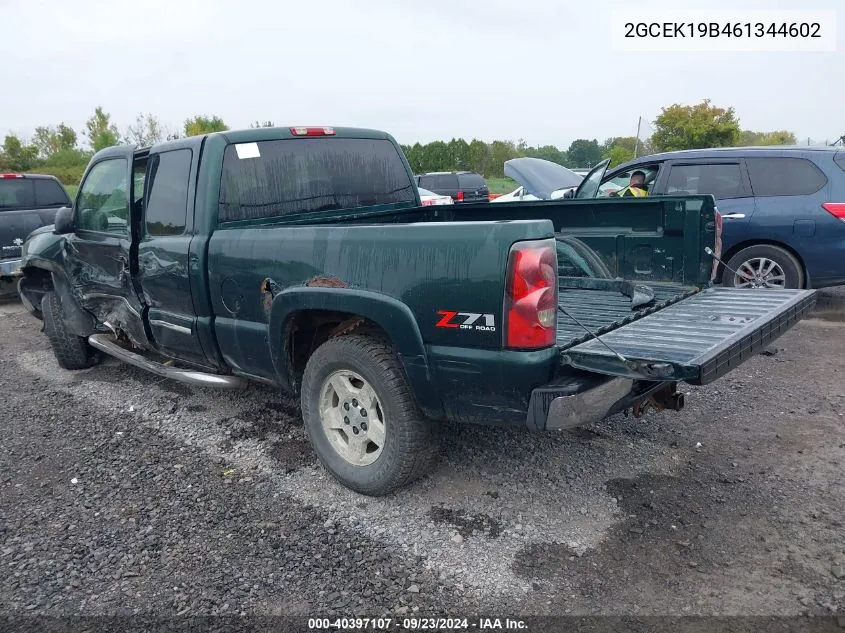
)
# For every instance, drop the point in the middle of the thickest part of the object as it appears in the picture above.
(416, 624)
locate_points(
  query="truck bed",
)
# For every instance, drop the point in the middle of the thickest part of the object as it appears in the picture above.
(605, 310)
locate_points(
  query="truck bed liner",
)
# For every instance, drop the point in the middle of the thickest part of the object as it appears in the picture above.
(605, 310)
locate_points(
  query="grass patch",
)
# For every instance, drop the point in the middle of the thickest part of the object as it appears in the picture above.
(501, 185)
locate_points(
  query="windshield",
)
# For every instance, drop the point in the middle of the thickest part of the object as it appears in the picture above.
(589, 188)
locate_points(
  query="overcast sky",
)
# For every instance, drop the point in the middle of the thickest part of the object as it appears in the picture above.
(542, 70)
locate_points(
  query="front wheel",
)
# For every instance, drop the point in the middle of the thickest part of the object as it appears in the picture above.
(763, 266)
(361, 417)
(72, 352)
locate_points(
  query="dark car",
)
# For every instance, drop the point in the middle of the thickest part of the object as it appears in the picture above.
(783, 207)
(463, 186)
(27, 202)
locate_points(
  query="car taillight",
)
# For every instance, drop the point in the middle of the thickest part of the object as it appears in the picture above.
(11, 175)
(312, 131)
(428, 203)
(460, 196)
(836, 209)
(531, 295)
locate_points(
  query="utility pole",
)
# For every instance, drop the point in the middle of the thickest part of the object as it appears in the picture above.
(637, 141)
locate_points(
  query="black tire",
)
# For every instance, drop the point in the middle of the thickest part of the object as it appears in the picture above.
(410, 444)
(72, 352)
(789, 265)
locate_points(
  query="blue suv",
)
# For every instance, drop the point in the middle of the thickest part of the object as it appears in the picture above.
(783, 208)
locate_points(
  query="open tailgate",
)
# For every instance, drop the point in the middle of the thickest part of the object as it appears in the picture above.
(696, 340)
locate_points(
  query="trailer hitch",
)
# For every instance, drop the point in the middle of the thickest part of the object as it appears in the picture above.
(666, 398)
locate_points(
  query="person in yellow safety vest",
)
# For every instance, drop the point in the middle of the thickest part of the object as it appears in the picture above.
(635, 186)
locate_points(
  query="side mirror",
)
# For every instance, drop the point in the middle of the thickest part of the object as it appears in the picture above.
(63, 222)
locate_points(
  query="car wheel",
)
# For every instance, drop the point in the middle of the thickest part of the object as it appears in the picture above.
(71, 351)
(361, 417)
(763, 266)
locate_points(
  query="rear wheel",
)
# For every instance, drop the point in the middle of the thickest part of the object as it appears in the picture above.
(763, 266)
(72, 352)
(361, 417)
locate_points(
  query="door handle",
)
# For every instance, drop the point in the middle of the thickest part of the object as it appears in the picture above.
(733, 216)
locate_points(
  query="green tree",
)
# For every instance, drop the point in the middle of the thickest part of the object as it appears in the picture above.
(51, 139)
(17, 155)
(546, 152)
(584, 153)
(202, 124)
(101, 132)
(480, 157)
(778, 137)
(620, 149)
(459, 154)
(146, 131)
(500, 151)
(618, 155)
(693, 127)
(435, 156)
(414, 154)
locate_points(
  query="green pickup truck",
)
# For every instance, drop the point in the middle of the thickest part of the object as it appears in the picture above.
(303, 258)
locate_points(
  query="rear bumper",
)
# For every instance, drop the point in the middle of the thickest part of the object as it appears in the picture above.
(574, 400)
(10, 267)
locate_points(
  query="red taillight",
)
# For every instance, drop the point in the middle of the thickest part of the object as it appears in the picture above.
(460, 196)
(11, 175)
(312, 131)
(836, 209)
(531, 295)
(429, 202)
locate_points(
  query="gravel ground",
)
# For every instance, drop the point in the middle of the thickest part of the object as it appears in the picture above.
(121, 493)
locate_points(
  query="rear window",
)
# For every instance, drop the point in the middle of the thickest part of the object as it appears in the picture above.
(784, 176)
(439, 182)
(16, 192)
(471, 181)
(285, 177)
(49, 193)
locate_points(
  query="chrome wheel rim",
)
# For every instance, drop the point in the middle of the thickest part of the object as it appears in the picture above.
(352, 417)
(760, 272)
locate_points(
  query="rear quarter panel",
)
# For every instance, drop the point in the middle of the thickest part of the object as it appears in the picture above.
(428, 266)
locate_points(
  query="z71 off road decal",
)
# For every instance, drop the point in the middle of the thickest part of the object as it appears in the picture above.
(466, 320)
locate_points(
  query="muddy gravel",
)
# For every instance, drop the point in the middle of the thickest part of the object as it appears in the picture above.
(122, 493)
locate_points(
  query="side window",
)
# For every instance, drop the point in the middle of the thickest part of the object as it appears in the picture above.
(49, 193)
(426, 182)
(784, 176)
(104, 198)
(722, 181)
(167, 202)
